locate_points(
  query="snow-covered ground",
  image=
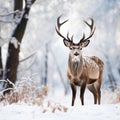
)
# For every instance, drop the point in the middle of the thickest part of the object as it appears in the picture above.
(105, 111)
(91, 112)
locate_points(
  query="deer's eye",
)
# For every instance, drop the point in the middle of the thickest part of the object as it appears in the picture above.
(71, 48)
(80, 48)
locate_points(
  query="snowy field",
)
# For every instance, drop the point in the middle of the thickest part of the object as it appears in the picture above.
(106, 111)
(91, 112)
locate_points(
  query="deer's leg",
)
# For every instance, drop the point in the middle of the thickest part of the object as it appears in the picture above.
(73, 87)
(82, 91)
(98, 91)
(93, 91)
(99, 95)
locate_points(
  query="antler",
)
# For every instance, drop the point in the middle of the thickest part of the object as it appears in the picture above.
(92, 28)
(58, 30)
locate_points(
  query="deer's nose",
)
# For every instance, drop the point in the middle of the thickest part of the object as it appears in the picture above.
(76, 53)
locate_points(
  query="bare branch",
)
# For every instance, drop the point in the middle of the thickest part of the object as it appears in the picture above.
(28, 57)
(4, 21)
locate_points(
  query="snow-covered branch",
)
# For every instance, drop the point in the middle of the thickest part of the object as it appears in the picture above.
(11, 83)
(22, 60)
(1, 92)
(11, 13)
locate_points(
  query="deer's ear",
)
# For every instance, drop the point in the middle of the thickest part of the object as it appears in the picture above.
(67, 43)
(85, 43)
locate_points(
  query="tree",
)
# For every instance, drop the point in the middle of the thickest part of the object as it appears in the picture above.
(15, 43)
(1, 66)
(18, 5)
(46, 65)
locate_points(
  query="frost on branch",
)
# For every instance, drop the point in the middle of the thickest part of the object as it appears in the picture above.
(26, 16)
(15, 42)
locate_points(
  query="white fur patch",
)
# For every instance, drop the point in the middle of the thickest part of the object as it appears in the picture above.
(75, 59)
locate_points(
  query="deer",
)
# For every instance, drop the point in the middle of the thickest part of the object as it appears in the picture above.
(82, 71)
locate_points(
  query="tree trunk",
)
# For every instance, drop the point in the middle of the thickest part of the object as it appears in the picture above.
(18, 5)
(111, 76)
(14, 46)
(1, 66)
(46, 65)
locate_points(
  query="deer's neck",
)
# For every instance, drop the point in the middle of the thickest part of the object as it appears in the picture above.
(75, 67)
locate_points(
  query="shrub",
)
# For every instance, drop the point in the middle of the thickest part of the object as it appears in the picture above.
(26, 91)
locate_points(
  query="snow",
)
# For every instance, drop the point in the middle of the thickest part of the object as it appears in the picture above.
(23, 111)
(15, 42)
(92, 112)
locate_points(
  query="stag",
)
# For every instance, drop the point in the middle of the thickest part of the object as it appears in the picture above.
(82, 71)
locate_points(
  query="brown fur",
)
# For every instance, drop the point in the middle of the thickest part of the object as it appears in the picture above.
(78, 76)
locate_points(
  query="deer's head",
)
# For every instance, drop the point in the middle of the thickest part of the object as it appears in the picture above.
(75, 48)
